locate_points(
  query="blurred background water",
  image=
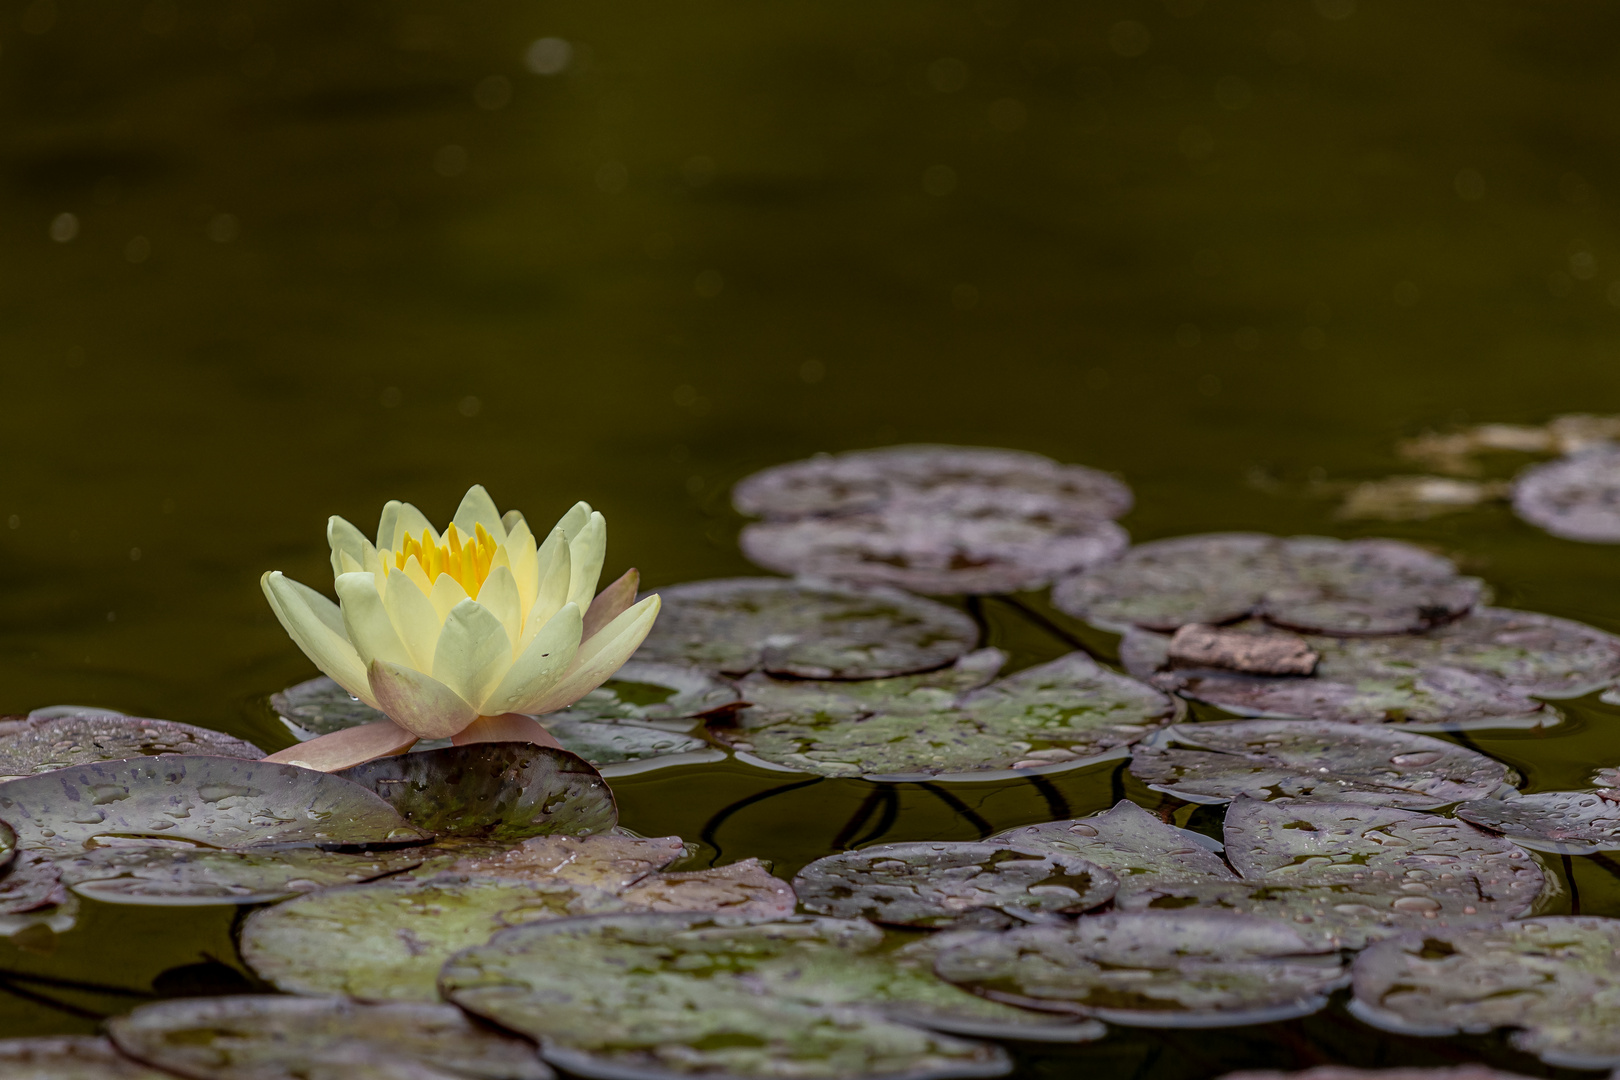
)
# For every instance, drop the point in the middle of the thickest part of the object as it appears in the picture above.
(261, 262)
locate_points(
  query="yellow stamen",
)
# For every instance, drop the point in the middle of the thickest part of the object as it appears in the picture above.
(467, 560)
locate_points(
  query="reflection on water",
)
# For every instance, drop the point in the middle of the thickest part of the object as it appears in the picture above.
(266, 262)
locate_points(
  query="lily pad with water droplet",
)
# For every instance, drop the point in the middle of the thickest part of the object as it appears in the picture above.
(57, 738)
(1552, 980)
(1576, 498)
(216, 802)
(1563, 822)
(600, 861)
(191, 876)
(320, 707)
(1128, 841)
(805, 629)
(1263, 759)
(1307, 583)
(386, 941)
(773, 701)
(624, 749)
(255, 1037)
(501, 792)
(648, 692)
(71, 1057)
(665, 995)
(933, 884)
(1057, 716)
(742, 889)
(1166, 969)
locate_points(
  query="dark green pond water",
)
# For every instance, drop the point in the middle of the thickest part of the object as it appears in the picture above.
(323, 255)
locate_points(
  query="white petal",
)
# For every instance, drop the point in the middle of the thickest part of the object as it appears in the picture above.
(419, 703)
(585, 554)
(512, 519)
(344, 563)
(507, 727)
(499, 594)
(367, 622)
(473, 653)
(554, 573)
(446, 594)
(345, 539)
(600, 657)
(477, 508)
(316, 626)
(573, 521)
(612, 601)
(398, 519)
(523, 558)
(415, 621)
(539, 666)
(418, 577)
(347, 748)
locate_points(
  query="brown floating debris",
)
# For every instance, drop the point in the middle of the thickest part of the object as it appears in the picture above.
(1199, 646)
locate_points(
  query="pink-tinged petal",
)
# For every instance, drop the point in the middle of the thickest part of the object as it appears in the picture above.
(601, 656)
(612, 602)
(418, 703)
(349, 747)
(507, 727)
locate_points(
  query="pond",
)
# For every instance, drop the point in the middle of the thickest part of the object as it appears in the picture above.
(265, 263)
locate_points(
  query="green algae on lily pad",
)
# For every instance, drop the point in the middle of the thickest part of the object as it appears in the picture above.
(502, 791)
(1262, 759)
(663, 995)
(217, 802)
(60, 737)
(1307, 583)
(624, 749)
(1575, 498)
(1061, 715)
(1562, 822)
(933, 884)
(257, 1036)
(1165, 969)
(71, 1057)
(805, 629)
(385, 941)
(1552, 980)
(188, 876)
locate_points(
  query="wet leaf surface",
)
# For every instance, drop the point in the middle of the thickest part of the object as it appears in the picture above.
(1564, 822)
(1059, 715)
(53, 739)
(743, 889)
(803, 629)
(320, 707)
(253, 1037)
(1551, 979)
(934, 884)
(71, 1057)
(386, 941)
(678, 994)
(1264, 759)
(503, 792)
(1306, 583)
(1576, 498)
(601, 861)
(212, 801)
(622, 749)
(30, 885)
(773, 701)
(186, 876)
(1128, 841)
(652, 692)
(1165, 969)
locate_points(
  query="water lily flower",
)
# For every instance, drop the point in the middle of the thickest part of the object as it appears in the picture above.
(465, 634)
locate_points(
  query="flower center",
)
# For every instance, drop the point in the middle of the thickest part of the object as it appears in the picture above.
(468, 562)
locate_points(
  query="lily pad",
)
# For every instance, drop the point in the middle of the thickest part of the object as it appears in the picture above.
(1576, 498)
(624, 749)
(189, 876)
(1553, 980)
(1061, 715)
(320, 707)
(805, 629)
(212, 801)
(1166, 969)
(677, 995)
(653, 693)
(1129, 842)
(742, 889)
(1479, 672)
(1563, 822)
(1263, 759)
(57, 739)
(32, 884)
(601, 861)
(773, 701)
(1308, 583)
(386, 941)
(936, 884)
(71, 1057)
(503, 792)
(254, 1037)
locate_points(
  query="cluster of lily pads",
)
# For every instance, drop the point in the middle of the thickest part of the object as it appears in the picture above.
(445, 912)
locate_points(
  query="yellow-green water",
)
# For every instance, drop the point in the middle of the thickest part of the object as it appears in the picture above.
(326, 255)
